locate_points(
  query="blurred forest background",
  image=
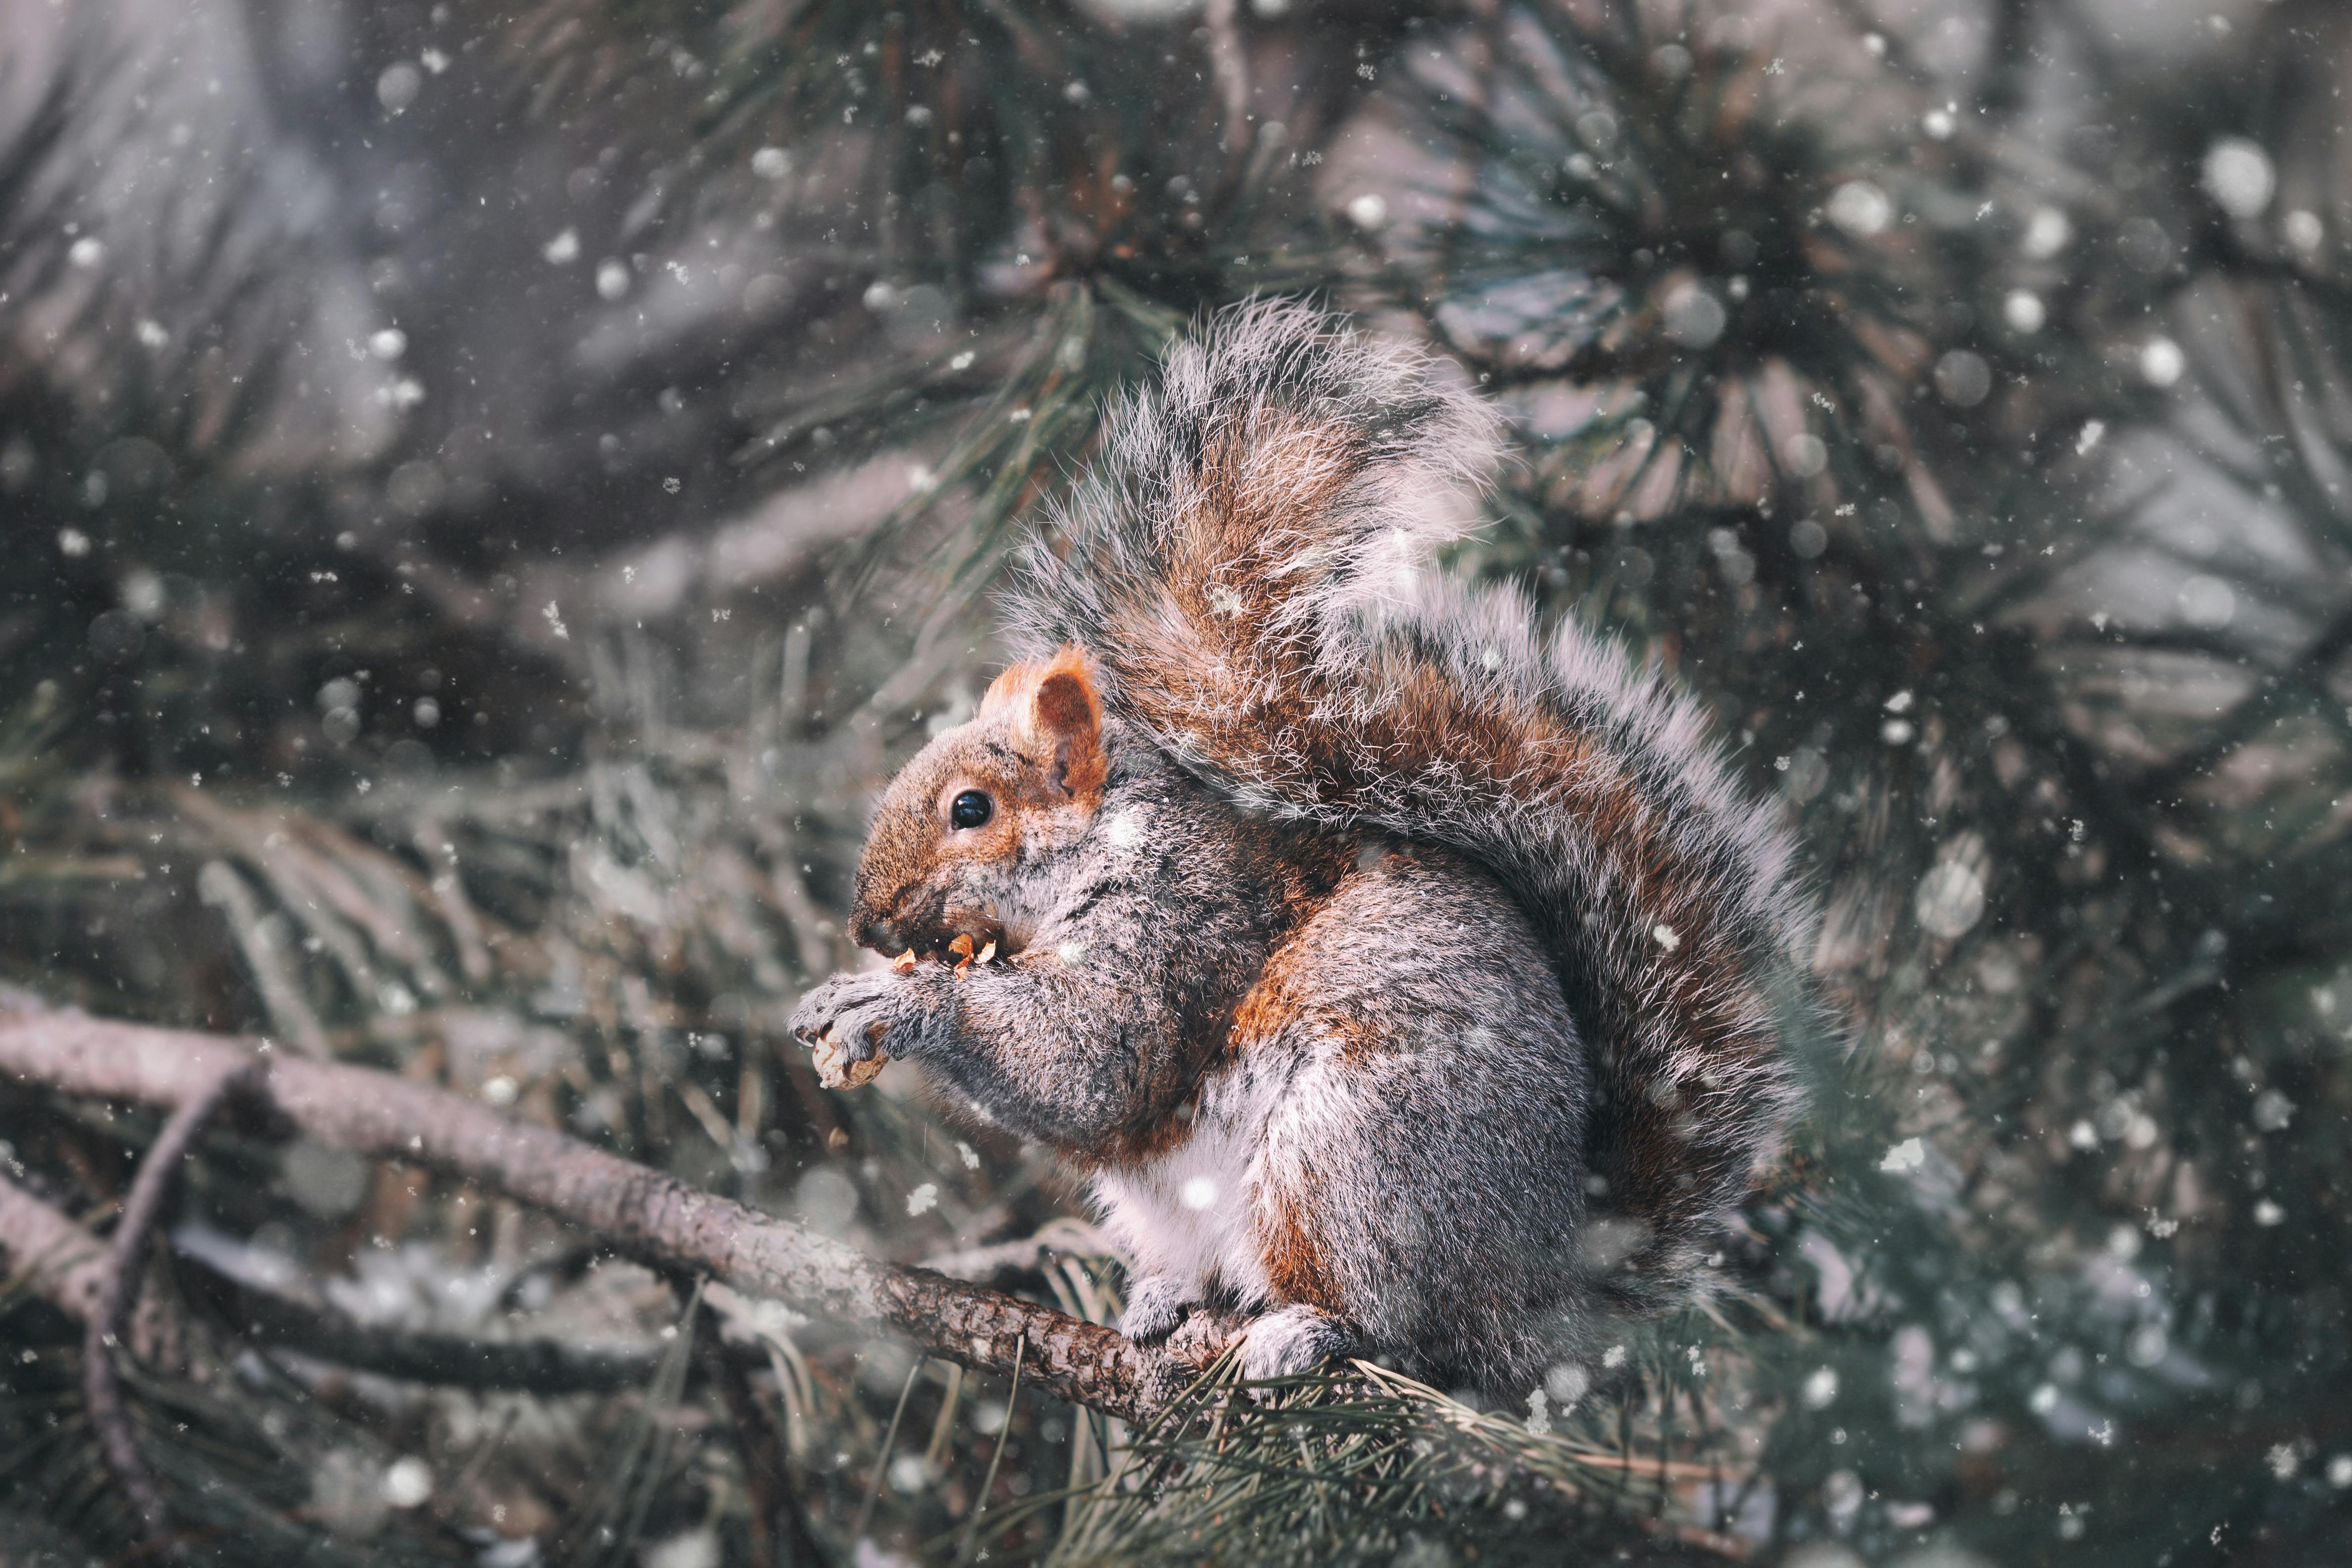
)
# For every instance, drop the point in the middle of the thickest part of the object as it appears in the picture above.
(490, 491)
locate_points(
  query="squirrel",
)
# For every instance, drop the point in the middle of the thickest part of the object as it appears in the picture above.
(1423, 987)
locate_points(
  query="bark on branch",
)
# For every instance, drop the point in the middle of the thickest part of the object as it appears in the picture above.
(644, 1214)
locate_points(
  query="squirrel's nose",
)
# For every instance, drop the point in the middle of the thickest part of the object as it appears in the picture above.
(868, 925)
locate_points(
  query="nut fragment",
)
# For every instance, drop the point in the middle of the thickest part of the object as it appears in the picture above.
(836, 1070)
(904, 962)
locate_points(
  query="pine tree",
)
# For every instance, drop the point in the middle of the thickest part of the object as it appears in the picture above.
(493, 492)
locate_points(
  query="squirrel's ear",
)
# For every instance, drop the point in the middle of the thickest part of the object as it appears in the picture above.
(1065, 714)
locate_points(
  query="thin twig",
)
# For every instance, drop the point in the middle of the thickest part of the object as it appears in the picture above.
(659, 1420)
(1023, 1255)
(219, 885)
(1004, 1435)
(1229, 61)
(456, 909)
(882, 1465)
(126, 1265)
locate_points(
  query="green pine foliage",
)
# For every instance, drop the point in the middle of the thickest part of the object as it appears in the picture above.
(466, 644)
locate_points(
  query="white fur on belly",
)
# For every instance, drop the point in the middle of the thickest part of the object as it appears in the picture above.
(1192, 1214)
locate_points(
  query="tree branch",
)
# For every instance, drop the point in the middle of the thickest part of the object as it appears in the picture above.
(64, 1264)
(66, 1267)
(101, 1383)
(655, 1218)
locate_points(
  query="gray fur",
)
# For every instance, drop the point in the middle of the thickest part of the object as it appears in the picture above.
(1428, 1117)
(1434, 1039)
(1360, 616)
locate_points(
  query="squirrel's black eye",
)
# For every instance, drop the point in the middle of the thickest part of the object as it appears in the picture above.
(970, 809)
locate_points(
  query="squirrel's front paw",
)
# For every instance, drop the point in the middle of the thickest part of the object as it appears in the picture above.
(1155, 1304)
(866, 1016)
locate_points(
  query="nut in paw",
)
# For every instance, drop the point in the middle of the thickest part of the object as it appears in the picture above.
(849, 1022)
(835, 1069)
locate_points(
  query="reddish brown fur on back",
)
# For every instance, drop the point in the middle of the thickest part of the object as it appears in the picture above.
(1266, 1009)
(1276, 999)
(1295, 1266)
(1645, 1143)
(1274, 1003)
(1251, 477)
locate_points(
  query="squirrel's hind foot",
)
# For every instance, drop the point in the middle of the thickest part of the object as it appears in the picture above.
(1293, 1340)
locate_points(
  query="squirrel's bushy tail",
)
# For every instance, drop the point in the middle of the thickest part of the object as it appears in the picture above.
(1249, 564)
